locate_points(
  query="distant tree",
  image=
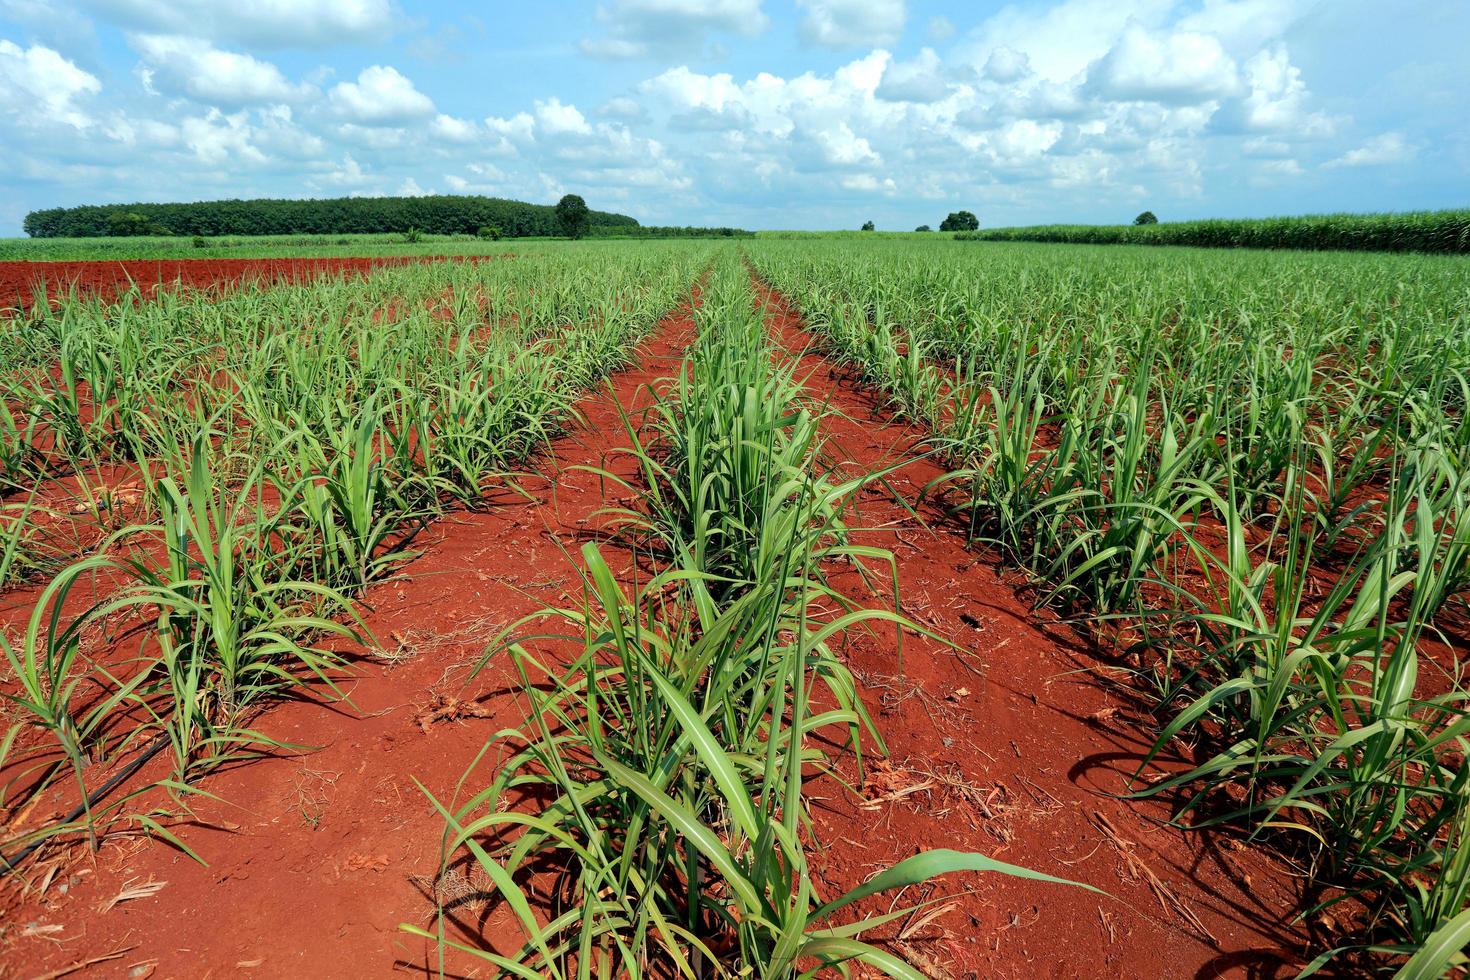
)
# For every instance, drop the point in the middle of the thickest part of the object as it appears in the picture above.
(923, 228)
(124, 224)
(571, 216)
(868, 226)
(489, 232)
(960, 221)
(1147, 218)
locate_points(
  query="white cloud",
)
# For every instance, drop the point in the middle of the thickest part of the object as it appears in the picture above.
(844, 148)
(454, 130)
(1035, 110)
(198, 69)
(411, 188)
(920, 80)
(509, 135)
(39, 82)
(852, 23)
(1382, 150)
(623, 107)
(1264, 147)
(869, 183)
(1006, 65)
(272, 23)
(554, 118)
(381, 95)
(144, 133)
(1060, 40)
(1178, 68)
(1278, 99)
(216, 138)
(349, 174)
(643, 28)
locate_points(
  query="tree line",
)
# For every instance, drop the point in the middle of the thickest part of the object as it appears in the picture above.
(434, 215)
(1412, 231)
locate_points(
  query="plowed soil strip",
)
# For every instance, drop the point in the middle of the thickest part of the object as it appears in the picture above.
(1016, 749)
(316, 857)
(106, 280)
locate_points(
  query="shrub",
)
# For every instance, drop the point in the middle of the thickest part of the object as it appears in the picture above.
(200, 241)
(488, 233)
(413, 235)
(868, 226)
(923, 228)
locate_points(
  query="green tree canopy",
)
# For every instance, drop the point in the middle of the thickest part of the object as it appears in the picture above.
(443, 214)
(960, 221)
(571, 215)
(1147, 218)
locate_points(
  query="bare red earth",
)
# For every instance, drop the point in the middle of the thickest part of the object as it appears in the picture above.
(20, 280)
(1016, 747)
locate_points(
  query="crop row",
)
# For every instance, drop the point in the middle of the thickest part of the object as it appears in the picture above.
(669, 750)
(1408, 231)
(1252, 473)
(250, 461)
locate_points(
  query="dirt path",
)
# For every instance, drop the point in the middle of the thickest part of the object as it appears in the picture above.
(316, 858)
(1016, 750)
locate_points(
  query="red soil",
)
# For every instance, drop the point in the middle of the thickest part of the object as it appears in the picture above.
(19, 280)
(1015, 749)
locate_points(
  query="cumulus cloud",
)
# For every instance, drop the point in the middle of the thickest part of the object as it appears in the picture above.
(554, 118)
(1070, 108)
(194, 67)
(1006, 65)
(852, 23)
(644, 28)
(38, 85)
(380, 96)
(270, 23)
(622, 107)
(1173, 68)
(920, 80)
(454, 130)
(215, 138)
(1060, 40)
(1277, 101)
(1382, 150)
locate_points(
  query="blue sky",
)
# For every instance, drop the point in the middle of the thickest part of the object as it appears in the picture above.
(755, 113)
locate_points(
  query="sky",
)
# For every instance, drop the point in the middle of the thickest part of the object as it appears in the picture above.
(750, 113)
